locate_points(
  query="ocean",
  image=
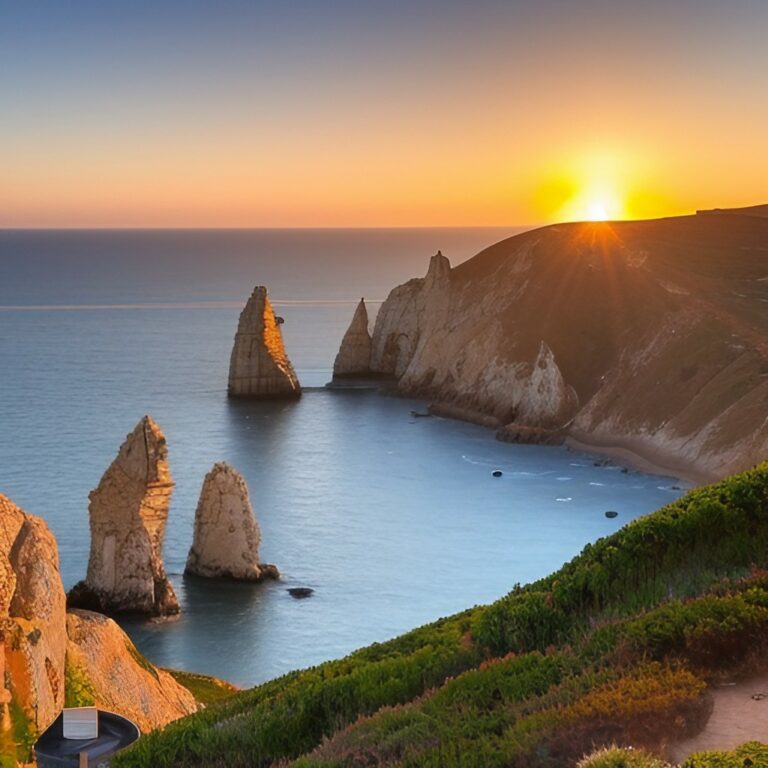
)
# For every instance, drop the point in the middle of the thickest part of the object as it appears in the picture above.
(393, 521)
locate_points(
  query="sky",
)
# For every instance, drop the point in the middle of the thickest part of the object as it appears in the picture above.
(324, 113)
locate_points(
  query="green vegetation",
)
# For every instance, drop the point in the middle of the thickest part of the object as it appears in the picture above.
(751, 754)
(19, 748)
(616, 757)
(615, 647)
(78, 691)
(207, 690)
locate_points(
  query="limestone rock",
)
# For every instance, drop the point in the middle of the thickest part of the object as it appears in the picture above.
(259, 366)
(610, 336)
(32, 615)
(128, 513)
(407, 316)
(227, 537)
(117, 677)
(354, 357)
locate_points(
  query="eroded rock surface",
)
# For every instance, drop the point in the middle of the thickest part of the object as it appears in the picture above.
(116, 677)
(641, 337)
(226, 539)
(354, 357)
(259, 366)
(128, 513)
(32, 615)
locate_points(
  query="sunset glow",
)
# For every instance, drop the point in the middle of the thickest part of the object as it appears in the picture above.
(363, 115)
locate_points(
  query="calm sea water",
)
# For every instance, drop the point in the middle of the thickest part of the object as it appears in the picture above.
(393, 521)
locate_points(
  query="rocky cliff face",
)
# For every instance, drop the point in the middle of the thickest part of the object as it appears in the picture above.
(259, 366)
(647, 337)
(354, 357)
(48, 655)
(128, 512)
(32, 615)
(116, 677)
(227, 537)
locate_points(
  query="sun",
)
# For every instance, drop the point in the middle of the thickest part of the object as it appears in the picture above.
(596, 202)
(597, 210)
(591, 185)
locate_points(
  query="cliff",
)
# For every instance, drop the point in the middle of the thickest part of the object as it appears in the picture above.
(128, 513)
(227, 537)
(50, 658)
(32, 615)
(259, 366)
(643, 337)
(114, 676)
(354, 357)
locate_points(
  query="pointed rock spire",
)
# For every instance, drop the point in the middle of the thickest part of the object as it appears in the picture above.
(354, 357)
(259, 366)
(438, 273)
(128, 512)
(227, 537)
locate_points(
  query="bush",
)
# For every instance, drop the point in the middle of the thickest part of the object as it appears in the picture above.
(618, 757)
(752, 754)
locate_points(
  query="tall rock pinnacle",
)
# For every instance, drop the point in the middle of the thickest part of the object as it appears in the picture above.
(354, 357)
(227, 536)
(128, 512)
(259, 366)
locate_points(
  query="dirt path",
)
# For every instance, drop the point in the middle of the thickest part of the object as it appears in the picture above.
(736, 718)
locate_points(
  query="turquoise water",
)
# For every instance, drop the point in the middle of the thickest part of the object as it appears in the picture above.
(393, 521)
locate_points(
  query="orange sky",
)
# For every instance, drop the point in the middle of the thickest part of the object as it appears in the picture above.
(492, 114)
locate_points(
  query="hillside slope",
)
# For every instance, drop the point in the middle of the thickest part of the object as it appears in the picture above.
(619, 645)
(646, 336)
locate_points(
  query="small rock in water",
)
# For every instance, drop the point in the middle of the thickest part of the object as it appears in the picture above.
(624, 470)
(300, 592)
(610, 513)
(497, 473)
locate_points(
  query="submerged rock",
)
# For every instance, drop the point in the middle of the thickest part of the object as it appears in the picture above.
(300, 592)
(354, 357)
(226, 540)
(128, 512)
(32, 616)
(114, 676)
(259, 366)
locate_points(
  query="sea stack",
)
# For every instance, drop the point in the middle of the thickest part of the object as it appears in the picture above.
(226, 540)
(259, 366)
(354, 357)
(128, 512)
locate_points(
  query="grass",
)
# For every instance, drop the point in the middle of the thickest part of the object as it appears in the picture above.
(500, 684)
(207, 690)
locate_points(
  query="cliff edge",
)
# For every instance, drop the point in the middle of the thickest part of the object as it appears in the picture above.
(643, 337)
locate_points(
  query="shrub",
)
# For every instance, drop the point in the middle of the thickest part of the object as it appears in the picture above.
(752, 754)
(619, 757)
